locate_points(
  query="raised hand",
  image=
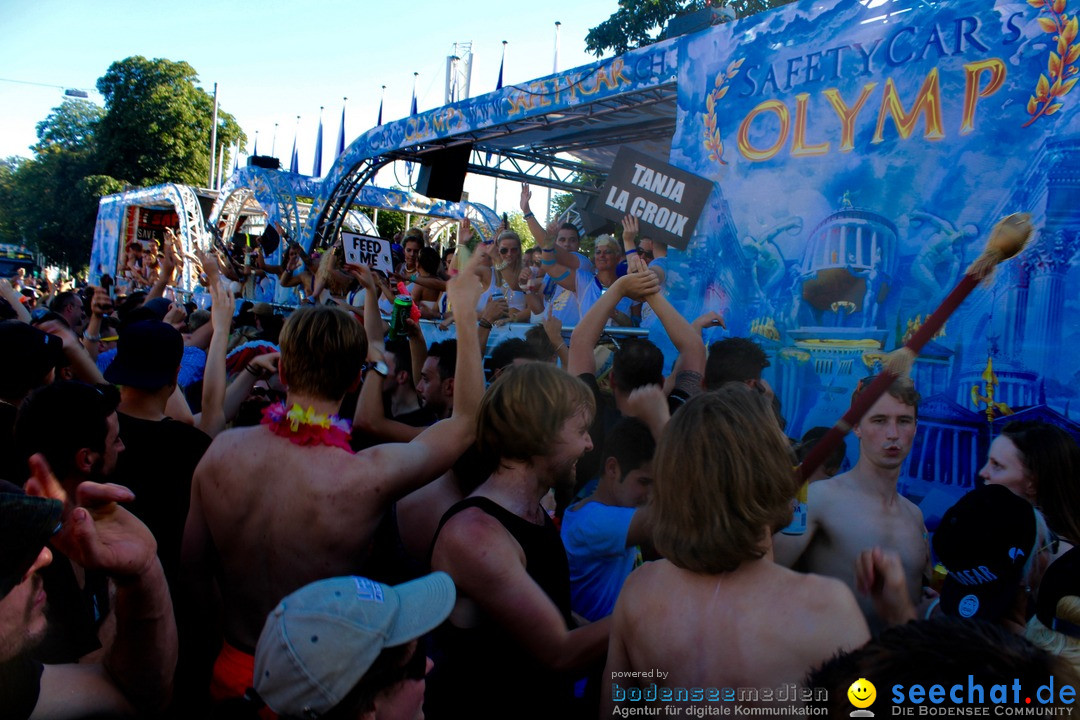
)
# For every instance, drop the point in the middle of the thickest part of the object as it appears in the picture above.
(222, 307)
(638, 286)
(97, 533)
(526, 196)
(466, 233)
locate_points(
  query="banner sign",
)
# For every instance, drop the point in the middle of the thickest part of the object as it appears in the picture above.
(666, 201)
(368, 250)
(862, 152)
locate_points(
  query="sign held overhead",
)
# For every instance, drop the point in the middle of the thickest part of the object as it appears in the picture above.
(368, 250)
(666, 200)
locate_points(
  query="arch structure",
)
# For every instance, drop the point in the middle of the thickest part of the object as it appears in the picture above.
(524, 132)
(280, 195)
(109, 229)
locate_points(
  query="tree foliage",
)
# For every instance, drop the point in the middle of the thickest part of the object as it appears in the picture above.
(155, 128)
(640, 22)
(157, 125)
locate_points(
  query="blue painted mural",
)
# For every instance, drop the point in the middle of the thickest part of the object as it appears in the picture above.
(860, 159)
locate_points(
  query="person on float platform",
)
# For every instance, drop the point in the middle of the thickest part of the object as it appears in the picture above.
(285, 503)
(560, 300)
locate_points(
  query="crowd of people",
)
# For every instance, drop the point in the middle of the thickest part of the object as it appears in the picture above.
(242, 514)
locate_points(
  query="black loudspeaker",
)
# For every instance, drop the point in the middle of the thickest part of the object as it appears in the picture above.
(591, 224)
(442, 172)
(264, 161)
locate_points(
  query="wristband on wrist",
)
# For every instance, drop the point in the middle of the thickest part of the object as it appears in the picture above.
(92, 338)
(254, 371)
(547, 262)
(562, 277)
(486, 324)
(550, 249)
(631, 251)
(528, 215)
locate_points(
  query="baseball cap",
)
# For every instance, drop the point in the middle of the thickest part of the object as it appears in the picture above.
(1061, 579)
(148, 355)
(26, 524)
(319, 641)
(984, 541)
(29, 354)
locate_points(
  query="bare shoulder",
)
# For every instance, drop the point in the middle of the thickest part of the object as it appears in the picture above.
(835, 606)
(826, 497)
(228, 441)
(225, 449)
(647, 585)
(914, 510)
(477, 536)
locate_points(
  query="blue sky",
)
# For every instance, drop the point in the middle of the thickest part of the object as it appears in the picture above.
(275, 60)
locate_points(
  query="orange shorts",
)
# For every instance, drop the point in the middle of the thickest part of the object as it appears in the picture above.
(234, 673)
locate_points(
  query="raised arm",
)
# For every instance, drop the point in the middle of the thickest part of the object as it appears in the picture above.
(683, 336)
(99, 305)
(439, 446)
(82, 366)
(165, 274)
(588, 331)
(211, 420)
(370, 416)
(98, 534)
(261, 367)
(14, 300)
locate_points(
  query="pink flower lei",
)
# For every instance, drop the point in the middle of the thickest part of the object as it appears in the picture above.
(305, 427)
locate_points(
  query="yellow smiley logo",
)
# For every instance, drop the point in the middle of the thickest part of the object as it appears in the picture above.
(862, 693)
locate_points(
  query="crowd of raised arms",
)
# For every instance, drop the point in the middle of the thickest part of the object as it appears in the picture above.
(245, 512)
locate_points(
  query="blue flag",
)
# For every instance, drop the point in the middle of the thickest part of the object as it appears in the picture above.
(316, 171)
(341, 134)
(294, 164)
(502, 63)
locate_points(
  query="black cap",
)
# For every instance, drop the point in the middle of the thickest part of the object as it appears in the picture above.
(26, 524)
(984, 541)
(148, 354)
(28, 356)
(1061, 579)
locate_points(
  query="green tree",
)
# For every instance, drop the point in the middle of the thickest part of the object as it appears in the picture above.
(9, 225)
(50, 206)
(641, 22)
(157, 124)
(70, 126)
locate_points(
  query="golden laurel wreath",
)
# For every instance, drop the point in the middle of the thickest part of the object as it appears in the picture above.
(1053, 85)
(713, 143)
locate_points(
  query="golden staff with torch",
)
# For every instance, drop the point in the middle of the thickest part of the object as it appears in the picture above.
(1007, 239)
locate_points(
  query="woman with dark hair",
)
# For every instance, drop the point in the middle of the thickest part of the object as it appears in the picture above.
(426, 285)
(1040, 462)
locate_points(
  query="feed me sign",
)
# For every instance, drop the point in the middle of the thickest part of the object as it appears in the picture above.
(860, 154)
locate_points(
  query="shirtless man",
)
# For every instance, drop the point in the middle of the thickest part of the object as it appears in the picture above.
(861, 509)
(718, 612)
(269, 516)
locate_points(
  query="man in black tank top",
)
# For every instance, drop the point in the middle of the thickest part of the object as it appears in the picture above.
(508, 649)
